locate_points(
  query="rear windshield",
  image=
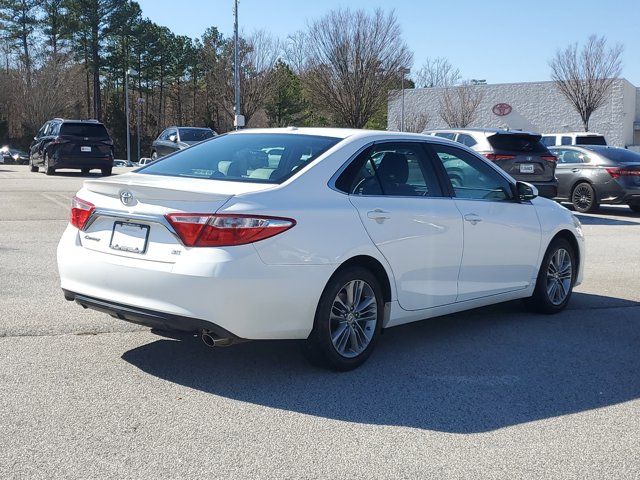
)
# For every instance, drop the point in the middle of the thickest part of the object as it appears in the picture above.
(517, 143)
(90, 130)
(195, 134)
(245, 157)
(619, 155)
(591, 140)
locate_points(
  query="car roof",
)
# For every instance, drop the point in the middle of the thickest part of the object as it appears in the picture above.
(341, 133)
(576, 134)
(71, 120)
(481, 130)
(194, 128)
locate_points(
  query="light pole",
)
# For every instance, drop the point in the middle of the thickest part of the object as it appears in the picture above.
(238, 120)
(139, 128)
(404, 71)
(130, 71)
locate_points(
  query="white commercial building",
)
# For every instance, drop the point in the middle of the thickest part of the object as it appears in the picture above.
(535, 106)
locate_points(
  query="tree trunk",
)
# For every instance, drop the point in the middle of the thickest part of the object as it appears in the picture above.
(95, 57)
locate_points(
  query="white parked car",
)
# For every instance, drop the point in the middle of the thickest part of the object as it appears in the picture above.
(340, 234)
(573, 138)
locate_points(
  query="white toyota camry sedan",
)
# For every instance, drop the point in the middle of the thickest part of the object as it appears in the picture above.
(323, 235)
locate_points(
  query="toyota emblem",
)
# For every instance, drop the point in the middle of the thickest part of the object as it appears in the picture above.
(126, 197)
(501, 109)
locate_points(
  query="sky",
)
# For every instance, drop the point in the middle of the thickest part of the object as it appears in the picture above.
(500, 41)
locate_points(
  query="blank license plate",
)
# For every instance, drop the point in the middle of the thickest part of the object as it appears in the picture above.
(526, 168)
(85, 149)
(129, 237)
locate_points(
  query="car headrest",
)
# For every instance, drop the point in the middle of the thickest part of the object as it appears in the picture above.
(394, 168)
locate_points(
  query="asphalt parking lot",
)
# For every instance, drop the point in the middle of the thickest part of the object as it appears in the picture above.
(493, 393)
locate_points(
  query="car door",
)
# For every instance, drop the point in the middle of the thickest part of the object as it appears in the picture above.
(419, 231)
(34, 149)
(501, 235)
(170, 145)
(569, 169)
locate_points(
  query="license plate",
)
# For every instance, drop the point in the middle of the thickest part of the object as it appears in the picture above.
(526, 168)
(129, 237)
(85, 149)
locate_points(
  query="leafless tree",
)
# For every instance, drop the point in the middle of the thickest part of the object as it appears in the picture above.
(414, 121)
(585, 76)
(294, 52)
(353, 60)
(458, 106)
(437, 72)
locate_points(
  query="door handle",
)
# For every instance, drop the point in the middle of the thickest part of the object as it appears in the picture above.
(472, 218)
(575, 170)
(378, 215)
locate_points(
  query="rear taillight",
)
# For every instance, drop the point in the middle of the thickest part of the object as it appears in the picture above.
(81, 210)
(617, 172)
(499, 156)
(549, 158)
(203, 230)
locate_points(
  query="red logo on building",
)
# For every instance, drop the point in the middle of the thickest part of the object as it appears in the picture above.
(501, 109)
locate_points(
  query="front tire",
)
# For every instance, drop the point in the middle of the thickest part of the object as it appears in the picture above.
(348, 320)
(106, 171)
(555, 279)
(33, 168)
(583, 198)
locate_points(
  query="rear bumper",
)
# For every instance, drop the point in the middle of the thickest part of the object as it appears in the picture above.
(72, 161)
(148, 318)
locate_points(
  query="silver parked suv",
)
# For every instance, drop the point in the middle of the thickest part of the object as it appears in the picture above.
(521, 154)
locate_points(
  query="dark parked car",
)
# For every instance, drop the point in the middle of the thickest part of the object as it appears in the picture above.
(75, 144)
(177, 138)
(15, 156)
(592, 174)
(123, 163)
(521, 154)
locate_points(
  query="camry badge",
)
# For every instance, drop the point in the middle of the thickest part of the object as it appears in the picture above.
(126, 197)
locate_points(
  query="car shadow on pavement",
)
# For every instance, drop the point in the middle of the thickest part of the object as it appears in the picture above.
(602, 220)
(465, 373)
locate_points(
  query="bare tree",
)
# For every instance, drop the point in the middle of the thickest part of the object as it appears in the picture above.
(458, 106)
(437, 72)
(353, 59)
(294, 52)
(414, 121)
(585, 76)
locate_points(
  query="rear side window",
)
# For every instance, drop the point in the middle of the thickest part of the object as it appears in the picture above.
(391, 169)
(90, 130)
(195, 134)
(570, 156)
(244, 157)
(517, 143)
(467, 140)
(565, 141)
(591, 140)
(548, 140)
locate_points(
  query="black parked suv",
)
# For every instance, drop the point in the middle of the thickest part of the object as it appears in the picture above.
(75, 144)
(521, 154)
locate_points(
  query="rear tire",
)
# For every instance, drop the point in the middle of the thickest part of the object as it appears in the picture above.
(33, 168)
(348, 320)
(635, 208)
(583, 198)
(106, 171)
(556, 278)
(85, 171)
(48, 170)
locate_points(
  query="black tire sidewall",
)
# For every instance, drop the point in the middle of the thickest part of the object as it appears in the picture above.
(540, 300)
(319, 345)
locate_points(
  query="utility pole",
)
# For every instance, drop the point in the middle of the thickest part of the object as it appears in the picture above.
(129, 71)
(403, 71)
(238, 120)
(139, 127)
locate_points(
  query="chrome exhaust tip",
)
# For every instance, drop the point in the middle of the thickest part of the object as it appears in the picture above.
(211, 340)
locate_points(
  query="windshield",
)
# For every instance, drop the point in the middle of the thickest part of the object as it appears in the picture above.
(591, 140)
(89, 130)
(245, 157)
(195, 134)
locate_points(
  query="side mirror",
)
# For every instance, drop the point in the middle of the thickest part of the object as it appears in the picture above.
(526, 191)
(35, 138)
(173, 138)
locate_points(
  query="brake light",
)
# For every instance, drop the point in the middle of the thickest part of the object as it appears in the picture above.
(549, 158)
(225, 230)
(499, 156)
(81, 210)
(617, 172)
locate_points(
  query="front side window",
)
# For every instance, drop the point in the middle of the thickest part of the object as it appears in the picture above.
(467, 140)
(448, 136)
(565, 141)
(548, 140)
(392, 169)
(471, 177)
(244, 157)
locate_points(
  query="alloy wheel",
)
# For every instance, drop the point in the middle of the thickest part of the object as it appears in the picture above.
(559, 276)
(353, 318)
(583, 197)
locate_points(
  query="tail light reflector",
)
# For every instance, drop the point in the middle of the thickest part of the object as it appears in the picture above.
(224, 230)
(617, 172)
(81, 210)
(499, 156)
